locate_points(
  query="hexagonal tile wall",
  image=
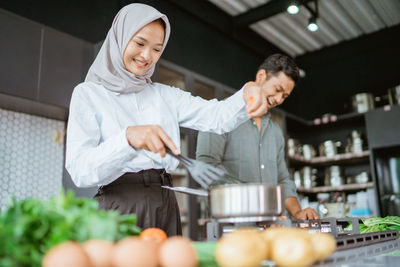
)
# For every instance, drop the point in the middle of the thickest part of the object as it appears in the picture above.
(31, 160)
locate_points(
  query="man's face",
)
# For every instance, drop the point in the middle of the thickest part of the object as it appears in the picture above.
(144, 49)
(276, 87)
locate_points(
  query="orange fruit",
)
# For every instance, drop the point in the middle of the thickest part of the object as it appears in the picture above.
(154, 234)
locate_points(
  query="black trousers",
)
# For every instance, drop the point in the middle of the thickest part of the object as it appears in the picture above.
(141, 193)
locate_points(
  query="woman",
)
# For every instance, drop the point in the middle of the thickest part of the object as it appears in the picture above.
(120, 121)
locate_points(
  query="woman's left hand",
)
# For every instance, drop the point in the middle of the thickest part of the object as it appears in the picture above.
(255, 99)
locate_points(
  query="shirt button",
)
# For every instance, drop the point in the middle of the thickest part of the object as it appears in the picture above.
(262, 166)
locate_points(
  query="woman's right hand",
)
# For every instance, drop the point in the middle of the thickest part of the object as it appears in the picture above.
(150, 137)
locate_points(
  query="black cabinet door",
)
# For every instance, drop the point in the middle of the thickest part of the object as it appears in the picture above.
(65, 62)
(19, 56)
(383, 127)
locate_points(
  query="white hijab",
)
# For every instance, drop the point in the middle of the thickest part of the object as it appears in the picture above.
(108, 68)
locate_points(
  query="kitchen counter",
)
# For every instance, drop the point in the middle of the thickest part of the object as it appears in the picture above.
(385, 254)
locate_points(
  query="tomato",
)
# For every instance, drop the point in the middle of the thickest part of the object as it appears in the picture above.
(154, 234)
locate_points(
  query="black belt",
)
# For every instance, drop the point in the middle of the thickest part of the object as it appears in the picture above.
(146, 177)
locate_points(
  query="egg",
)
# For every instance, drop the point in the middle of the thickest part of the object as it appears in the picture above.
(99, 252)
(177, 251)
(134, 252)
(66, 254)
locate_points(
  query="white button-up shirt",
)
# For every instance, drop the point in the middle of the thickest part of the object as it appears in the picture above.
(97, 149)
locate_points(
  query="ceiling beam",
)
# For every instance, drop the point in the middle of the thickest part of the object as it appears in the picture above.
(262, 12)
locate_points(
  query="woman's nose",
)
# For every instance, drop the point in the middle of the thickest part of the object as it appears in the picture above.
(146, 53)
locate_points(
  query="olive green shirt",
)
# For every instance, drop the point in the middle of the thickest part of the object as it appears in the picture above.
(248, 154)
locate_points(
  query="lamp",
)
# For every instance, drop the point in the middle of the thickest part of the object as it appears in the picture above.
(312, 24)
(312, 21)
(293, 8)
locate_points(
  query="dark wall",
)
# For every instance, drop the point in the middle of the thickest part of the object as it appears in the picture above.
(370, 63)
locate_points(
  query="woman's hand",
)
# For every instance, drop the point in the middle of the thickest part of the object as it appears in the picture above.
(150, 137)
(256, 101)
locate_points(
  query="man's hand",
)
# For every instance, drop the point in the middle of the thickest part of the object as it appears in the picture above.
(150, 137)
(306, 214)
(256, 102)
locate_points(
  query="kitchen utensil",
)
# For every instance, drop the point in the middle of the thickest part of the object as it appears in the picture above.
(187, 190)
(363, 102)
(203, 173)
(241, 202)
(333, 176)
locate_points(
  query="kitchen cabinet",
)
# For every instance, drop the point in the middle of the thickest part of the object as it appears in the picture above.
(64, 63)
(39, 63)
(329, 160)
(20, 54)
(383, 127)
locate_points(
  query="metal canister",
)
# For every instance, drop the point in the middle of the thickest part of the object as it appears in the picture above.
(394, 95)
(363, 102)
(308, 151)
(333, 176)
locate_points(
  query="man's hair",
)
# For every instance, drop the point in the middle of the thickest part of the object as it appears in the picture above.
(278, 62)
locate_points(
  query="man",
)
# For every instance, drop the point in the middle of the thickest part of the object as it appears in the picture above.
(255, 150)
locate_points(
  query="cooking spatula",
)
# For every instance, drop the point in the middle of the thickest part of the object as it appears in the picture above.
(203, 173)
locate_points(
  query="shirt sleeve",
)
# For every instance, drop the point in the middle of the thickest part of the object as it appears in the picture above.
(211, 148)
(208, 115)
(289, 189)
(89, 160)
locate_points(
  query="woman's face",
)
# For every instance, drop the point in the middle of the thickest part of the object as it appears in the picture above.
(144, 49)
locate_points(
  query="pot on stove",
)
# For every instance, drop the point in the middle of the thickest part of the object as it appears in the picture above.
(244, 202)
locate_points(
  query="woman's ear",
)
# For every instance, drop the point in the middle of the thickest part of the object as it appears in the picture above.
(261, 76)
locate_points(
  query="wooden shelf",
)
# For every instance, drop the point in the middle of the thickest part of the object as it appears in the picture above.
(346, 187)
(347, 158)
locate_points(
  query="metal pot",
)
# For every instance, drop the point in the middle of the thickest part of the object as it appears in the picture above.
(248, 202)
(363, 102)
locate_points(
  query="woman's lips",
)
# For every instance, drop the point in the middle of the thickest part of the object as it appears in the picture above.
(140, 64)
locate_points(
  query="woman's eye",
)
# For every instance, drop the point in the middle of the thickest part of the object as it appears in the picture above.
(139, 44)
(157, 50)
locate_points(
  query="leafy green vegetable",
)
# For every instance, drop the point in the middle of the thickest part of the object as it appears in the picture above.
(30, 227)
(377, 224)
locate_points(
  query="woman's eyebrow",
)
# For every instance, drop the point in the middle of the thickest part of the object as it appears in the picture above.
(145, 40)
